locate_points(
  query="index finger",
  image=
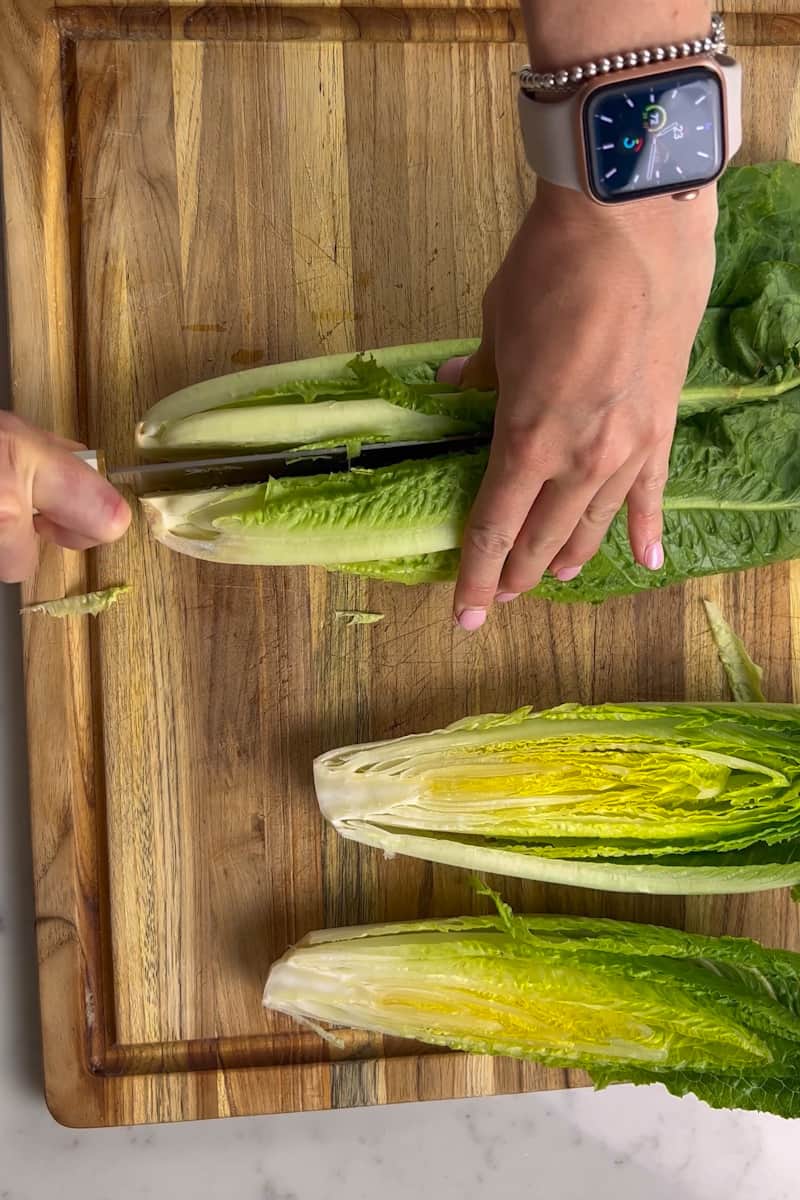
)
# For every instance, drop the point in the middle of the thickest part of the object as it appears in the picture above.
(501, 506)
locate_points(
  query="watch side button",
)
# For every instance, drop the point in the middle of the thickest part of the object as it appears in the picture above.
(690, 195)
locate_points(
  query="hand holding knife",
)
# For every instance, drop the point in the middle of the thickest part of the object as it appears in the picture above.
(44, 493)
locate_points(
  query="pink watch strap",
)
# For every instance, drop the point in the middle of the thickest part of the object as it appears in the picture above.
(549, 134)
(551, 129)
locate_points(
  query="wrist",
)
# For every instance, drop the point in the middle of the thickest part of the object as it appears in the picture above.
(657, 235)
(653, 218)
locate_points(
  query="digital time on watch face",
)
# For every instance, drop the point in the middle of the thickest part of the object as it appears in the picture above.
(654, 135)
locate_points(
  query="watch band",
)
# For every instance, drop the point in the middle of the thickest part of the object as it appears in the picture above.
(551, 128)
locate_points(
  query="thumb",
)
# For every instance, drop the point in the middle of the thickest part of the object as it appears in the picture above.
(38, 472)
(478, 370)
(73, 497)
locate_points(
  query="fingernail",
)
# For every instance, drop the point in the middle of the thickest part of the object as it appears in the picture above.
(504, 597)
(564, 574)
(471, 618)
(654, 556)
(451, 371)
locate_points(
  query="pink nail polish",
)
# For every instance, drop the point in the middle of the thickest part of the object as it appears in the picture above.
(564, 574)
(505, 597)
(654, 556)
(471, 618)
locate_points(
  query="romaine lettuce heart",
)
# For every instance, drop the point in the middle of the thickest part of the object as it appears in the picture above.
(670, 798)
(713, 1016)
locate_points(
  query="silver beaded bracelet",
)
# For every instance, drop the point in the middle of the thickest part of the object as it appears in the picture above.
(550, 81)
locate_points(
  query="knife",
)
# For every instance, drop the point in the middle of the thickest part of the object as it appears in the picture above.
(188, 475)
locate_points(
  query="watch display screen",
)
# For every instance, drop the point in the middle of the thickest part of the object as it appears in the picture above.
(654, 135)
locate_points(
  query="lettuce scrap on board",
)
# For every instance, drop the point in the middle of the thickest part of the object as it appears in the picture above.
(89, 604)
(733, 497)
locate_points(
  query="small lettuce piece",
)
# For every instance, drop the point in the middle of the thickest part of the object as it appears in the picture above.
(676, 799)
(717, 1017)
(90, 604)
(744, 676)
(354, 616)
(353, 447)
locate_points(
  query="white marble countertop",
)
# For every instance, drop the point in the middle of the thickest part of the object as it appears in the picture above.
(625, 1144)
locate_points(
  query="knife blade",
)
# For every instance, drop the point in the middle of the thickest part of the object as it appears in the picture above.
(201, 474)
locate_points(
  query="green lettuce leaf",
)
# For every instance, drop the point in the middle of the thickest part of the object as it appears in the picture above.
(388, 394)
(758, 214)
(748, 349)
(714, 1016)
(732, 503)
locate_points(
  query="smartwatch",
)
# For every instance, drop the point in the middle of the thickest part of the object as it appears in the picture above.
(655, 129)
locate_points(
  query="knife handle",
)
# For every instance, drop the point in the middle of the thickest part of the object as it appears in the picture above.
(95, 459)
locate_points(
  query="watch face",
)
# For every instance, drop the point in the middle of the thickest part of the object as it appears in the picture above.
(656, 134)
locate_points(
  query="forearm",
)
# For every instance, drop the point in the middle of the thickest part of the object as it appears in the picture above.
(565, 32)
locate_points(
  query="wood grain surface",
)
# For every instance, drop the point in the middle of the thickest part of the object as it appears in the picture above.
(189, 191)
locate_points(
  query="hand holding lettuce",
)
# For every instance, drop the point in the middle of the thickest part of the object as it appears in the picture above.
(587, 328)
(732, 502)
(733, 497)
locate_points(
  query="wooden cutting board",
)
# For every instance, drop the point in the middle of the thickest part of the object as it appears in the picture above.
(189, 191)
